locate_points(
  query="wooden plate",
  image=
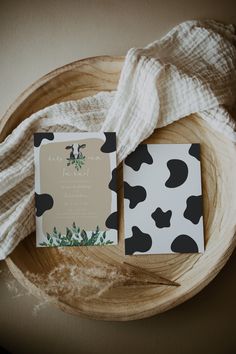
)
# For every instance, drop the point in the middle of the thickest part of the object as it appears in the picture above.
(193, 272)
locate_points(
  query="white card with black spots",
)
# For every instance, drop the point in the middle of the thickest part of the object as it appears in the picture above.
(163, 200)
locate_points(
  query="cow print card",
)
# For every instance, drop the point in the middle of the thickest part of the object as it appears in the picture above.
(75, 189)
(163, 199)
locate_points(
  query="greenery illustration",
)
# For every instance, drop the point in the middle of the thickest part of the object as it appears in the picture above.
(76, 157)
(78, 163)
(76, 237)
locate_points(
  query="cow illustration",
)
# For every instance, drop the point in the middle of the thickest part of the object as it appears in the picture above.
(75, 151)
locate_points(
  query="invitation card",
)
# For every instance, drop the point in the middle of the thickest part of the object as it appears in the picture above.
(75, 189)
(163, 199)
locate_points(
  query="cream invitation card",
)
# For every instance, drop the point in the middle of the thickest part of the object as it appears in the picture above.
(75, 189)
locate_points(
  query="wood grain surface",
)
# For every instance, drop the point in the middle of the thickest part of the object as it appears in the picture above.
(31, 265)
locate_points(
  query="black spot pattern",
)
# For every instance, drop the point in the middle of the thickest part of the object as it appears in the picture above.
(195, 151)
(135, 194)
(138, 157)
(193, 211)
(161, 218)
(43, 202)
(184, 244)
(113, 182)
(38, 137)
(138, 242)
(178, 173)
(112, 221)
(110, 143)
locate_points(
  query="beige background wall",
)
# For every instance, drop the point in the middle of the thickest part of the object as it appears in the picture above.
(36, 37)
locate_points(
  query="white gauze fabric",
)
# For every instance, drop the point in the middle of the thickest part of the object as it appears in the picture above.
(190, 70)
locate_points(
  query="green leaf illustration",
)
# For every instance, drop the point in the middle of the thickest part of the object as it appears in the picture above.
(77, 162)
(84, 236)
(74, 237)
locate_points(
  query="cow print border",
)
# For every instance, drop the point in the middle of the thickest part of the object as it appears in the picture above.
(38, 138)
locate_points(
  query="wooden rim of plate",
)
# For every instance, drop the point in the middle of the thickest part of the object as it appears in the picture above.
(86, 77)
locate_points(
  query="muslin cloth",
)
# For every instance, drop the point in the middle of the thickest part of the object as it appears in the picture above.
(192, 69)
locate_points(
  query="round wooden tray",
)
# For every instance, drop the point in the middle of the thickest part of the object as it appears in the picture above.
(193, 272)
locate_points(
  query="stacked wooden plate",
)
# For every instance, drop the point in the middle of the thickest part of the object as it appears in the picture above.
(128, 301)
